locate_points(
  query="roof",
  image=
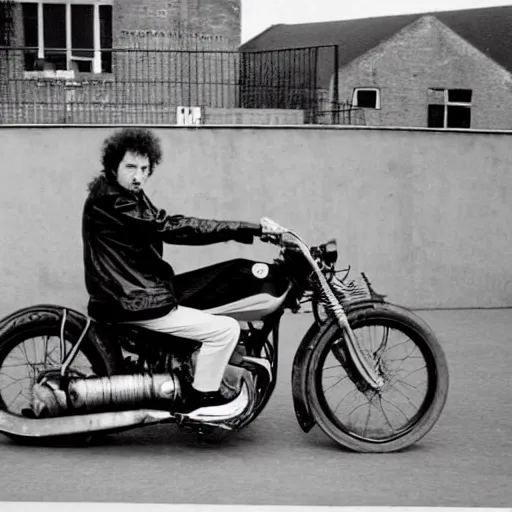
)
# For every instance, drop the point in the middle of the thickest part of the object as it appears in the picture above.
(488, 29)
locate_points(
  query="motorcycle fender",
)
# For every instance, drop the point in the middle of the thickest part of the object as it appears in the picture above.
(30, 313)
(301, 364)
(299, 373)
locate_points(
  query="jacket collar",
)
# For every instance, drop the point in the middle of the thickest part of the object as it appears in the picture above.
(113, 187)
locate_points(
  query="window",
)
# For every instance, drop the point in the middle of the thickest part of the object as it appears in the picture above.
(68, 36)
(449, 108)
(6, 22)
(366, 97)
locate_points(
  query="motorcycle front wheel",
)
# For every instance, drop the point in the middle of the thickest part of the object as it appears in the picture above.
(414, 367)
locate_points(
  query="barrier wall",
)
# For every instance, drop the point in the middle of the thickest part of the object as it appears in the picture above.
(425, 214)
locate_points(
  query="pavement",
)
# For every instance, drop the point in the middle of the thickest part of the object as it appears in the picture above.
(465, 460)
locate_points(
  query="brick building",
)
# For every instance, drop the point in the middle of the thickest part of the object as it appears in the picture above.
(441, 70)
(118, 60)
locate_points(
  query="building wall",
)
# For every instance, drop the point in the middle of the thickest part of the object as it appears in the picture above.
(425, 214)
(428, 54)
(141, 30)
(187, 24)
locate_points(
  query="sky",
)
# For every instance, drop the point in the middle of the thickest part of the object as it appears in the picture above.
(258, 15)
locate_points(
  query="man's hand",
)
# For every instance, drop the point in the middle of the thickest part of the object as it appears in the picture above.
(271, 231)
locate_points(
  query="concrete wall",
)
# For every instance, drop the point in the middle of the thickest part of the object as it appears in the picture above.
(426, 214)
(252, 116)
(424, 55)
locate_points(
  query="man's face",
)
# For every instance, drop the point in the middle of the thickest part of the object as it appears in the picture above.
(133, 171)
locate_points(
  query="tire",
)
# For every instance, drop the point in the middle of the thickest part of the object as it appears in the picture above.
(104, 359)
(437, 376)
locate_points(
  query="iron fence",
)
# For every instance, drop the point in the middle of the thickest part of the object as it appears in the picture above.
(342, 113)
(115, 86)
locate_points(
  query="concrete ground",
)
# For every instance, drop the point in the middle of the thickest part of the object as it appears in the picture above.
(465, 461)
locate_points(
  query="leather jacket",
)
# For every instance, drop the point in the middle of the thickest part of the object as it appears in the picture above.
(123, 235)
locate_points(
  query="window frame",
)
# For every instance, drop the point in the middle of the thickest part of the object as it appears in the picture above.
(447, 103)
(95, 60)
(377, 99)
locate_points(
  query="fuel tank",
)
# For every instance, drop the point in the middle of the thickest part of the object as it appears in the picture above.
(244, 289)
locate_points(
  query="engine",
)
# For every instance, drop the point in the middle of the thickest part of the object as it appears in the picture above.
(117, 392)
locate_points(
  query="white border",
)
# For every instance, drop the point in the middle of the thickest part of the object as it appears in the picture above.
(143, 507)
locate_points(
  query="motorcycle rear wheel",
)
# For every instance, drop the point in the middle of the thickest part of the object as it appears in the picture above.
(385, 316)
(44, 324)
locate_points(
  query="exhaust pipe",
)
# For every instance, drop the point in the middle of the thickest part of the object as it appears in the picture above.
(226, 417)
(81, 424)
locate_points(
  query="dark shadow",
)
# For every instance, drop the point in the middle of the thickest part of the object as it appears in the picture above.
(156, 435)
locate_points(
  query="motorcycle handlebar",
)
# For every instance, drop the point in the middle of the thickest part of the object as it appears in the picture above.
(278, 235)
(286, 240)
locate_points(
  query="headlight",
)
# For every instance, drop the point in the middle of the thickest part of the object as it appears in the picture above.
(327, 252)
(330, 250)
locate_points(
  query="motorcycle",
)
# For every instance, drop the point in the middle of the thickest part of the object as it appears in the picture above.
(133, 377)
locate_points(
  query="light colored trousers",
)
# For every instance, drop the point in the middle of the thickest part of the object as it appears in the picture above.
(218, 335)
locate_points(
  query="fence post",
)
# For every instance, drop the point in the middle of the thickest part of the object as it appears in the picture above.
(314, 88)
(336, 92)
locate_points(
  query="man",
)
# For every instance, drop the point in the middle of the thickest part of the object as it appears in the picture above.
(126, 277)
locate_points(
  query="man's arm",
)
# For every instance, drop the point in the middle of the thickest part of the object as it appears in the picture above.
(179, 229)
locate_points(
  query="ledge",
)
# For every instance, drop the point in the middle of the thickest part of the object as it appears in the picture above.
(258, 127)
(76, 81)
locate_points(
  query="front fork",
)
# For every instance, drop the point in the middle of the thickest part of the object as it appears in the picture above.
(366, 370)
(364, 366)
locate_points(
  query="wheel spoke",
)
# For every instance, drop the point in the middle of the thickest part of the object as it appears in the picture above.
(359, 407)
(401, 358)
(410, 385)
(336, 383)
(35, 351)
(331, 367)
(407, 374)
(348, 394)
(24, 350)
(403, 394)
(395, 406)
(403, 361)
(45, 349)
(13, 365)
(14, 399)
(12, 378)
(14, 382)
(381, 409)
(399, 344)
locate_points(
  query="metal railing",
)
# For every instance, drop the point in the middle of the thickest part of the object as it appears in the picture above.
(115, 86)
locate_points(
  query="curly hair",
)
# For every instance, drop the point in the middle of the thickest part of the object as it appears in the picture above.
(136, 140)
